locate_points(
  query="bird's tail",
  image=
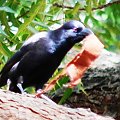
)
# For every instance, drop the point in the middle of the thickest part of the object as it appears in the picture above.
(5, 71)
(3, 79)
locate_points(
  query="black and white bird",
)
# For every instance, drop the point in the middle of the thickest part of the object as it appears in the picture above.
(35, 62)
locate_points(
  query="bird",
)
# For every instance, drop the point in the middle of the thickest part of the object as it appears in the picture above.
(39, 56)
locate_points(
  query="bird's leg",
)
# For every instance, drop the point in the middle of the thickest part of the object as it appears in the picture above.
(40, 94)
(19, 84)
(8, 84)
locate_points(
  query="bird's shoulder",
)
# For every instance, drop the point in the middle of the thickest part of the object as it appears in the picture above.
(35, 38)
(42, 43)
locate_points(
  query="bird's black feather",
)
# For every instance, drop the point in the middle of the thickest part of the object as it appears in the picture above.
(40, 56)
(4, 73)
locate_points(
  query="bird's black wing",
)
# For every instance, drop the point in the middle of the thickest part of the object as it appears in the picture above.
(25, 49)
(4, 73)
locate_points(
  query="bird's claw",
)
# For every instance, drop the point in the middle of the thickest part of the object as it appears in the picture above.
(38, 95)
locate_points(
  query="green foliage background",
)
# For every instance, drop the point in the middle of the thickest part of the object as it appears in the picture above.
(19, 19)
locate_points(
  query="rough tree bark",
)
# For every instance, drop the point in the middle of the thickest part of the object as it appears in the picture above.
(101, 82)
(102, 85)
(25, 107)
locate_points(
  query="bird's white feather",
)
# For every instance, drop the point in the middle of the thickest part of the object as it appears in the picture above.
(35, 38)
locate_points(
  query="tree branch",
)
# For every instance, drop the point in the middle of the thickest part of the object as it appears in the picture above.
(69, 7)
(26, 107)
(24, 14)
(96, 8)
(102, 85)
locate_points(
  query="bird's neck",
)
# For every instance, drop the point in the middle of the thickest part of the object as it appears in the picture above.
(62, 44)
(56, 35)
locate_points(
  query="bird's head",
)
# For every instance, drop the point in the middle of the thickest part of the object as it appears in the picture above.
(75, 31)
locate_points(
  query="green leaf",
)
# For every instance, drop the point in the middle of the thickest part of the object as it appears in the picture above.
(61, 82)
(1, 31)
(81, 88)
(4, 21)
(7, 9)
(32, 29)
(30, 90)
(88, 6)
(2, 2)
(101, 2)
(35, 9)
(76, 8)
(15, 22)
(4, 50)
(7, 30)
(41, 24)
(86, 19)
(66, 95)
(95, 3)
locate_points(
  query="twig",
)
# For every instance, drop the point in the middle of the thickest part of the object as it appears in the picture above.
(24, 14)
(69, 7)
(100, 7)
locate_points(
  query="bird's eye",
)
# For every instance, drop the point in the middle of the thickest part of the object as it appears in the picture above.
(77, 29)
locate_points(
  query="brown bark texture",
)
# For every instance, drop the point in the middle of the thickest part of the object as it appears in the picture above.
(15, 106)
(102, 85)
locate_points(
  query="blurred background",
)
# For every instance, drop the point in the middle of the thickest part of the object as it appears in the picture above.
(19, 19)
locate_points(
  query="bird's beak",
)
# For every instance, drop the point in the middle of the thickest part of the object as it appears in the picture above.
(82, 35)
(85, 32)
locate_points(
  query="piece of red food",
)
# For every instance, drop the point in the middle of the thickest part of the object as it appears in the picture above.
(50, 85)
(91, 49)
